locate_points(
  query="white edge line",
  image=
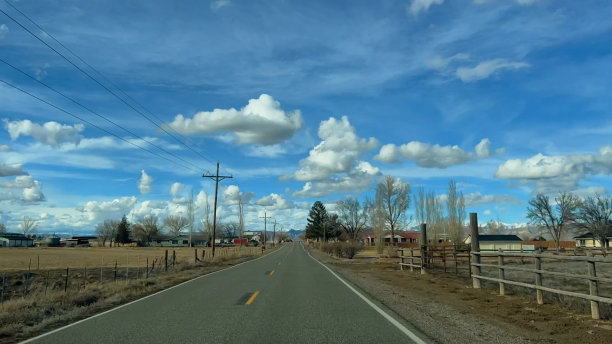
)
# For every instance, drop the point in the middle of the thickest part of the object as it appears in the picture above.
(391, 319)
(141, 299)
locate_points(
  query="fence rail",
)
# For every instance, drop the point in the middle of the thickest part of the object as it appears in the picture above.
(591, 276)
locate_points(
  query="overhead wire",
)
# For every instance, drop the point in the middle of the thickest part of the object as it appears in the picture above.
(94, 125)
(96, 113)
(91, 77)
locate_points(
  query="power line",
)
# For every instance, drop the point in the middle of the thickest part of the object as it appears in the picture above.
(94, 125)
(91, 77)
(96, 113)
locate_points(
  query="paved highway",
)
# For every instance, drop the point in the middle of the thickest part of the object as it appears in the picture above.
(283, 297)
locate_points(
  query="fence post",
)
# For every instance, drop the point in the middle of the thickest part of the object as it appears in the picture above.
(173, 259)
(66, 281)
(166, 259)
(195, 256)
(424, 255)
(147, 267)
(101, 267)
(46, 283)
(444, 257)
(502, 273)
(455, 258)
(593, 290)
(411, 259)
(115, 271)
(85, 278)
(538, 266)
(475, 245)
(2, 291)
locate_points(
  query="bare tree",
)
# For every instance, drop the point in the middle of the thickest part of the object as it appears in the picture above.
(107, 231)
(594, 214)
(554, 217)
(230, 230)
(394, 197)
(495, 227)
(28, 226)
(352, 217)
(419, 200)
(175, 224)
(434, 215)
(191, 217)
(145, 230)
(455, 210)
(377, 221)
(2, 228)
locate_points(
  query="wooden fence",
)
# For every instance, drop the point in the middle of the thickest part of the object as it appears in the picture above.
(590, 276)
(444, 257)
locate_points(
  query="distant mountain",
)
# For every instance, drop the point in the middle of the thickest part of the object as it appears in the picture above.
(294, 233)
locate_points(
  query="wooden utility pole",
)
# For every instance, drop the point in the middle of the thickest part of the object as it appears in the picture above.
(274, 234)
(265, 217)
(217, 178)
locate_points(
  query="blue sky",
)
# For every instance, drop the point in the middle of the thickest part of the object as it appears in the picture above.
(302, 101)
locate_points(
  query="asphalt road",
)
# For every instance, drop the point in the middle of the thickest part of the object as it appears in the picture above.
(283, 297)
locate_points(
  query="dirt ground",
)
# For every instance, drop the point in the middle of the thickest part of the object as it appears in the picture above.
(522, 318)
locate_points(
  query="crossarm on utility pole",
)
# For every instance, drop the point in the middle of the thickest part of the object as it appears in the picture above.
(217, 178)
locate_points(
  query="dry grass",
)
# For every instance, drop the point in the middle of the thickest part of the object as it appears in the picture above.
(43, 304)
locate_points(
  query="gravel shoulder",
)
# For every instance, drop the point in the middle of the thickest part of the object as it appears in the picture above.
(450, 311)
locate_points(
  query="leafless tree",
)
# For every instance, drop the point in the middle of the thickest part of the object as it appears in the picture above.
(107, 231)
(554, 217)
(495, 227)
(230, 230)
(594, 214)
(2, 228)
(28, 226)
(434, 215)
(455, 210)
(353, 218)
(175, 224)
(394, 196)
(145, 230)
(376, 219)
(191, 217)
(420, 207)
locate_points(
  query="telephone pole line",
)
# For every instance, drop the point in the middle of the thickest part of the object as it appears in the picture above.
(274, 235)
(217, 178)
(265, 217)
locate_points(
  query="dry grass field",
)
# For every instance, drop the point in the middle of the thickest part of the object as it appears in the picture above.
(50, 258)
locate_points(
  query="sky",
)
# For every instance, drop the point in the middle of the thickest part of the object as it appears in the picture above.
(298, 101)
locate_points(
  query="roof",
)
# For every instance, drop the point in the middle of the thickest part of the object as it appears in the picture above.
(588, 235)
(14, 236)
(498, 237)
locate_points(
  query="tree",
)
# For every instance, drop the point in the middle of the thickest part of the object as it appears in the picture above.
(175, 224)
(420, 206)
(394, 197)
(107, 231)
(495, 227)
(230, 230)
(377, 221)
(123, 231)
(352, 217)
(434, 215)
(2, 228)
(241, 217)
(594, 214)
(455, 209)
(317, 218)
(553, 217)
(28, 226)
(145, 230)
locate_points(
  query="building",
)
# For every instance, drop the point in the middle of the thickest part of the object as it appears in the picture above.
(590, 240)
(495, 242)
(15, 240)
(179, 241)
(400, 237)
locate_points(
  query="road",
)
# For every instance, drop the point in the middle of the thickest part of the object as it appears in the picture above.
(283, 297)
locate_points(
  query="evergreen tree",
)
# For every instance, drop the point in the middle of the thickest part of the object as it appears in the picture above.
(123, 231)
(316, 220)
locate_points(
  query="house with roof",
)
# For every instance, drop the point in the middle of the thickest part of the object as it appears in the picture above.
(15, 240)
(399, 237)
(588, 240)
(179, 240)
(495, 242)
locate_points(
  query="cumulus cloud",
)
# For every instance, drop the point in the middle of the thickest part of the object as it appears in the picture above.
(474, 199)
(338, 151)
(275, 202)
(3, 31)
(557, 172)
(176, 189)
(31, 189)
(485, 69)
(357, 180)
(51, 133)
(34, 192)
(427, 155)
(114, 209)
(422, 5)
(440, 63)
(5, 148)
(20, 182)
(261, 121)
(219, 4)
(144, 184)
(8, 171)
(232, 194)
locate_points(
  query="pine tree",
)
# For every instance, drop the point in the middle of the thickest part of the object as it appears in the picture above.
(123, 231)
(316, 220)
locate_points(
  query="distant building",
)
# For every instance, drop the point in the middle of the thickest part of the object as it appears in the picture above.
(400, 237)
(589, 240)
(179, 241)
(495, 242)
(15, 240)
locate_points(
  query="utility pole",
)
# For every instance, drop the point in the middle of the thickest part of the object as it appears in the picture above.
(274, 235)
(265, 217)
(217, 178)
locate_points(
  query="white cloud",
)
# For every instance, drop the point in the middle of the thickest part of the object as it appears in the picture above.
(590, 191)
(487, 212)
(440, 63)
(31, 189)
(219, 4)
(3, 31)
(5, 148)
(338, 151)
(356, 181)
(34, 192)
(232, 194)
(422, 5)
(20, 182)
(474, 199)
(114, 209)
(144, 184)
(275, 202)
(15, 170)
(51, 133)
(261, 121)
(558, 172)
(520, 2)
(176, 189)
(485, 69)
(427, 155)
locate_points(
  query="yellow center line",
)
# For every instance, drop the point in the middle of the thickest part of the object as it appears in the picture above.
(271, 272)
(278, 263)
(252, 298)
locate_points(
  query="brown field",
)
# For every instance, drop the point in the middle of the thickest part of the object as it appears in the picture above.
(50, 258)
